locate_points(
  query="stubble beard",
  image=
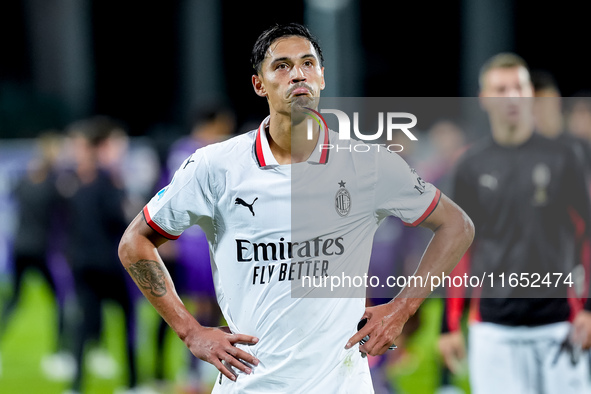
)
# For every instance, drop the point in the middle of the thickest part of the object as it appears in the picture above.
(298, 108)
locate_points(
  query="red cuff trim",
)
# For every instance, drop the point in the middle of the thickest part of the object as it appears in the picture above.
(155, 227)
(427, 212)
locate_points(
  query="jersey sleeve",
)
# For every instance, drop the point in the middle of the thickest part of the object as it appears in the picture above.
(184, 201)
(401, 192)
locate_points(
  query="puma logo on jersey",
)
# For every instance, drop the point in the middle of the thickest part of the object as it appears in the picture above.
(188, 161)
(240, 201)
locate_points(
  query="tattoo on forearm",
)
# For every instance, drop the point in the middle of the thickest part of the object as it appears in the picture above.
(149, 275)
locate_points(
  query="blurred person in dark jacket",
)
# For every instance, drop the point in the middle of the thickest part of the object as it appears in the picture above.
(578, 115)
(37, 200)
(188, 257)
(550, 120)
(95, 222)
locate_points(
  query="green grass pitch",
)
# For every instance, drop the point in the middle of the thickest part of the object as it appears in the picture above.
(31, 335)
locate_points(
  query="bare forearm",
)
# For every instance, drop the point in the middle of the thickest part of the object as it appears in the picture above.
(139, 255)
(140, 258)
(155, 283)
(450, 241)
(453, 234)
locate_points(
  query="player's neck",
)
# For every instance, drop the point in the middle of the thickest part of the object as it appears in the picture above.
(289, 143)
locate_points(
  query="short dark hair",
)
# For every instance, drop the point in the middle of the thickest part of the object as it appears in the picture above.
(209, 112)
(96, 129)
(265, 40)
(543, 80)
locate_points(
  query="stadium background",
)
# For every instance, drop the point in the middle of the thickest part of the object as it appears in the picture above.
(149, 65)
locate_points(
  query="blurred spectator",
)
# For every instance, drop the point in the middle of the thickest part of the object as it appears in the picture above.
(37, 201)
(579, 115)
(447, 141)
(140, 170)
(549, 119)
(187, 258)
(548, 104)
(95, 222)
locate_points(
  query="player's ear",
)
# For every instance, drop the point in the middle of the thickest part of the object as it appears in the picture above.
(322, 84)
(259, 87)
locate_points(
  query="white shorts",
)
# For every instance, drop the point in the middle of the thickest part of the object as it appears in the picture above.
(350, 375)
(506, 360)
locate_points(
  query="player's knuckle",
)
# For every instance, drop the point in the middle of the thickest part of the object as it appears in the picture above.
(220, 354)
(227, 358)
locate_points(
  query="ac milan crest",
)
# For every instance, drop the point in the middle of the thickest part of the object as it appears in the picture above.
(342, 200)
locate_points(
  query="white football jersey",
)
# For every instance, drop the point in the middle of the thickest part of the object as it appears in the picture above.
(269, 226)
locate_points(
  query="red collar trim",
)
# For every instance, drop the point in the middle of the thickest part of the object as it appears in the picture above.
(263, 154)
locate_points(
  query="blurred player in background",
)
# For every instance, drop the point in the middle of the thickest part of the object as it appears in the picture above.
(579, 115)
(448, 144)
(187, 259)
(95, 220)
(523, 192)
(549, 118)
(37, 200)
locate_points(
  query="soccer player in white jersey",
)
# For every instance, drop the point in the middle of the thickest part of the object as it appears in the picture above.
(240, 192)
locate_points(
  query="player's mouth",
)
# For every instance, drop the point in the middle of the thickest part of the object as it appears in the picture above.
(513, 110)
(300, 90)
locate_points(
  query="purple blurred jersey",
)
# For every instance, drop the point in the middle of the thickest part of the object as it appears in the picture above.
(194, 269)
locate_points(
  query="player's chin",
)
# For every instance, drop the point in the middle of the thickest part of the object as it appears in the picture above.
(301, 102)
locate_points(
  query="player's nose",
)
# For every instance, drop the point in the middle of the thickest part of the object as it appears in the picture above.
(297, 75)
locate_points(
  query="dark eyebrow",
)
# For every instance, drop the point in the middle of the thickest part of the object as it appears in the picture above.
(284, 58)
